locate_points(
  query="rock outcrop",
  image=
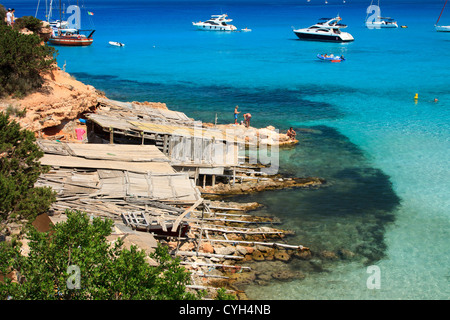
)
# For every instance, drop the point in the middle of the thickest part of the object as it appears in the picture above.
(62, 98)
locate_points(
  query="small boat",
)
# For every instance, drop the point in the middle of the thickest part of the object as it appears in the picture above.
(117, 44)
(216, 23)
(331, 57)
(404, 27)
(327, 29)
(442, 28)
(246, 29)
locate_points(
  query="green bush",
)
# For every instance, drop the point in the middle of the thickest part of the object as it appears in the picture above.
(19, 171)
(23, 60)
(2, 15)
(101, 270)
(31, 23)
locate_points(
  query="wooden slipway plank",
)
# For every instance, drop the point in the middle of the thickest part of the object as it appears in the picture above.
(77, 162)
(121, 152)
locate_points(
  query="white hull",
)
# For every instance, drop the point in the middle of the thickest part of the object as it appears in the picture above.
(215, 23)
(329, 30)
(382, 24)
(442, 28)
(207, 27)
(308, 34)
(117, 44)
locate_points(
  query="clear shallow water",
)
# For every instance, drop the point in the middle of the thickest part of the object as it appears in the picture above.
(384, 156)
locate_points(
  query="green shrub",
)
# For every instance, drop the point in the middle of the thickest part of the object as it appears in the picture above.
(19, 171)
(31, 23)
(2, 15)
(23, 60)
(101, 270)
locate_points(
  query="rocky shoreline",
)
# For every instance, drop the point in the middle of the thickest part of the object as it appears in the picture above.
(237, 238)
(276, 182)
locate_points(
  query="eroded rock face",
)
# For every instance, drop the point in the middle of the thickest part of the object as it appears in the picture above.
(61, 98)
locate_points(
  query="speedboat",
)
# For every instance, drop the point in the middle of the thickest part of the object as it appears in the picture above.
(331, 57)
(246, 30)
(381, 22)
(327, 29)
(117, 44)
(216, 23)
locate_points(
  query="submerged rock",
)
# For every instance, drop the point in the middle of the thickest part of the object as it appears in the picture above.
(329, 255)
(257, 255)
(282, 255)
(285, 275)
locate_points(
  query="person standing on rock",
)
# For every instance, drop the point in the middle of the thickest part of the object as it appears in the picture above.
(8, 17)
(247, 118)
(236, 112)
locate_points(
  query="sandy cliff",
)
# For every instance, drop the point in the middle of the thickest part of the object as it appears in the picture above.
(61, 99)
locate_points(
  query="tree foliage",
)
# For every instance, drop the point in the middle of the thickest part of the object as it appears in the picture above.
(29, 22)
(19, 171)
(2, 15)
(106, 271)
(23, 60)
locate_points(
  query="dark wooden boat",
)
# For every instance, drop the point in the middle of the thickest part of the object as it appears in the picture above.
(72, 39)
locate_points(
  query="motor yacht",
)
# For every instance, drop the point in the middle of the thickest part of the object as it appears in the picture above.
(216, 23)
(327, 29)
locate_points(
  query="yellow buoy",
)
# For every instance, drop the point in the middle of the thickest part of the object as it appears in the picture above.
(416, 96)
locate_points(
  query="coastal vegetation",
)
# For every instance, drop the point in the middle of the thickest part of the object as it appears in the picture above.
(23, 58)
(19, 171)
(28, 22)
(75, 261)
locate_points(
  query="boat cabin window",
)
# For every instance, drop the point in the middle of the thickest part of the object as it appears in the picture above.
(337, 31)
(322, 30)
(224, 24)
(314, 27)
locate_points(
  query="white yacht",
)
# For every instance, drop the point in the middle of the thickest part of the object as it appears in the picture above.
(374, 21)
(327, 29)
(216, 23)
(442, 28)
(381, 22)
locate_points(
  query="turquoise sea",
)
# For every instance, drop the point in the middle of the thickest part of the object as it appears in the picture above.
(384, 155)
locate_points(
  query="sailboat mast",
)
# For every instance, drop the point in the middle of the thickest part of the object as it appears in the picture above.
(441, 12)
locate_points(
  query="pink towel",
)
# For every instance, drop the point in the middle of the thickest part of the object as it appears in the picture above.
(80, 133)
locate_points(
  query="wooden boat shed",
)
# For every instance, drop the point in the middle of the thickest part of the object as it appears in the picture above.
(200, 151)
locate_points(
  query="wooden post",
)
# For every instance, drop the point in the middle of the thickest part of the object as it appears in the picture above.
(111, 135)
(204, 181)
(165, 145)
(213, 180)
(197, 169)
(234, 175)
